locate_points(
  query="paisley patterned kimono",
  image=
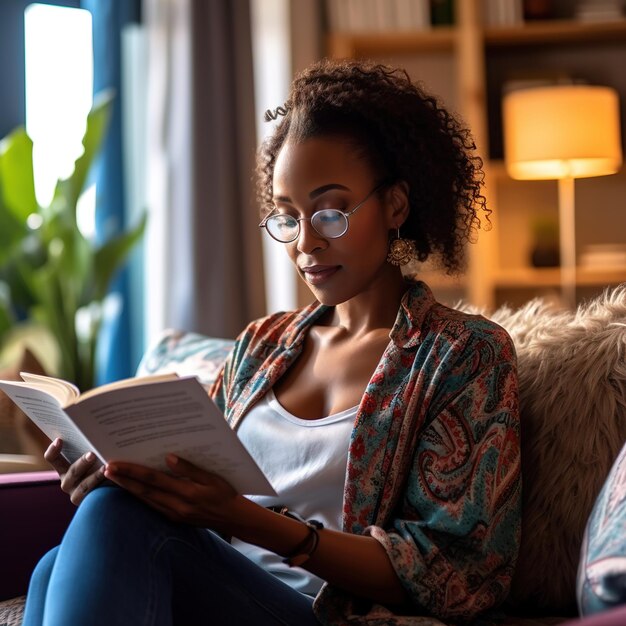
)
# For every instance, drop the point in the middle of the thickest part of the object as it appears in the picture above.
(434, 460)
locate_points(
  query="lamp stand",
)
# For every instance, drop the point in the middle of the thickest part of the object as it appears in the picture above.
(567, 240)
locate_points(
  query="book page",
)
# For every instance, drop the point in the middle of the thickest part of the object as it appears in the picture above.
(126, 382)
(143, 423)
(45, 411)
(64, 391)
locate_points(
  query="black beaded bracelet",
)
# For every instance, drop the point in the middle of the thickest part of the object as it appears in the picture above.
(305, 549)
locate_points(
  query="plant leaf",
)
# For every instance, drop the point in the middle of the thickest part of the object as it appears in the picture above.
(111, 255)
(12, 232)
(7, 319)
(17, 182)
(53, 312)
(16, 192)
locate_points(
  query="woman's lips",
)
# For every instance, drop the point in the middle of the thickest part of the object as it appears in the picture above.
(318, 274)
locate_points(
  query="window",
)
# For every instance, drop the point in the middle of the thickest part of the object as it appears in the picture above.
(59, 94)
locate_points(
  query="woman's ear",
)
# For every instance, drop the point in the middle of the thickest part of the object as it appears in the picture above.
(397, 202)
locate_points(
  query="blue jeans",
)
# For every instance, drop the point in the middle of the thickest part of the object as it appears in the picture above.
(122, 563)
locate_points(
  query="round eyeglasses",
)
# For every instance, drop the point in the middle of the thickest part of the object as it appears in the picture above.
(329, 223)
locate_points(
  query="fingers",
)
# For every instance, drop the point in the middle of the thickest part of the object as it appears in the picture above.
(184, 483)
(81, 477)
(185, 469)
(54, 457)
(87, 485)
(156, 489)
(76, 472)
(77, 479)
(191, 496)
(142, 480)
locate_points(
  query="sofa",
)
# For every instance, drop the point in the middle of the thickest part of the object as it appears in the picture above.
(572, 371)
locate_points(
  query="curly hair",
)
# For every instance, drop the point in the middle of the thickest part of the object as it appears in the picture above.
(404, 134)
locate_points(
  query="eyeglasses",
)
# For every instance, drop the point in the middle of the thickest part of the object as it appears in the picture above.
(329, 223)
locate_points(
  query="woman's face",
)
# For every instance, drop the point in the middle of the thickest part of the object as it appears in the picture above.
(328, 173)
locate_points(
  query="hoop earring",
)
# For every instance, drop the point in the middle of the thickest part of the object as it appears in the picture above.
(401, 251)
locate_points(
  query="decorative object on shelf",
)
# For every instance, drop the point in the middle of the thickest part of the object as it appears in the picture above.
(442, 12)
(538, 9)
(562, 132)
(545, 250)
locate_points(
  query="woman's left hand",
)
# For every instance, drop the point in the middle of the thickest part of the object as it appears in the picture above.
(190, 496)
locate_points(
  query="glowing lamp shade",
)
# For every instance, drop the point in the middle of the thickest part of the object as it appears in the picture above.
(562, 132)
(565, 131)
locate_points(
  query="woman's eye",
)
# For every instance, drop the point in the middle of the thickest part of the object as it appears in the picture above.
(284, 219)
(329, 216)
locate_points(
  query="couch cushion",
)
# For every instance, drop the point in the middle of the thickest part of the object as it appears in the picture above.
(572, 377)
(187, 354)
(602, 569)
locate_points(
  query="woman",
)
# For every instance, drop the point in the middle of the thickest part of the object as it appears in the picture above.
(389, 418)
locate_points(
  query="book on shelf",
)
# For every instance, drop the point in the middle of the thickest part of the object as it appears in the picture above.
(532, 78)
(603, 256)
(411, 15)
(599, 10)
(140, 420)
(503, 12)
(377, 16)
(337, 16)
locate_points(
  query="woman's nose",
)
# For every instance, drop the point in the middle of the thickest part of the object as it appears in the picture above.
(309, 239)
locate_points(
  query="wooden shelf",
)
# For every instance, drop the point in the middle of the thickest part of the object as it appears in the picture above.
(551, 277)
(346, 45)
(442, 38)
(556, 32)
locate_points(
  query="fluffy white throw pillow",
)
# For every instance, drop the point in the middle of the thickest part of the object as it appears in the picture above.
(572, 376)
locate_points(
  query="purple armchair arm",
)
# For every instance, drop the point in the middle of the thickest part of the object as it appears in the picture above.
(34, 514)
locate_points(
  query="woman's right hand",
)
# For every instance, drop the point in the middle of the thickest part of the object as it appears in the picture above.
(78, 478)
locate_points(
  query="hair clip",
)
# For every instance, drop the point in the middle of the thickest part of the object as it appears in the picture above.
(270, 115)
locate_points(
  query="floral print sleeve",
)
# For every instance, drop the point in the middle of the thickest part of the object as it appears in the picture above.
(434, 468)
(453, 536)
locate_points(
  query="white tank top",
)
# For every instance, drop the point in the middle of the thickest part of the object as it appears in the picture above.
(305, 460)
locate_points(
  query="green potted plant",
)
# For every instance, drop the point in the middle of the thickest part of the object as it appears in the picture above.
(52, 277)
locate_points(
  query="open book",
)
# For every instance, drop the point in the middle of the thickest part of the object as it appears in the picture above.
(140, 420)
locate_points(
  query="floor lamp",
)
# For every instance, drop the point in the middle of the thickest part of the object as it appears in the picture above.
(562, 132)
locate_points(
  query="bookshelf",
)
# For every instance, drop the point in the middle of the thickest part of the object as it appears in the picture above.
(467, 65)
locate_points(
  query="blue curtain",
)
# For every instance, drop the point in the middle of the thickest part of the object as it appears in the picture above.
(115, 359)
